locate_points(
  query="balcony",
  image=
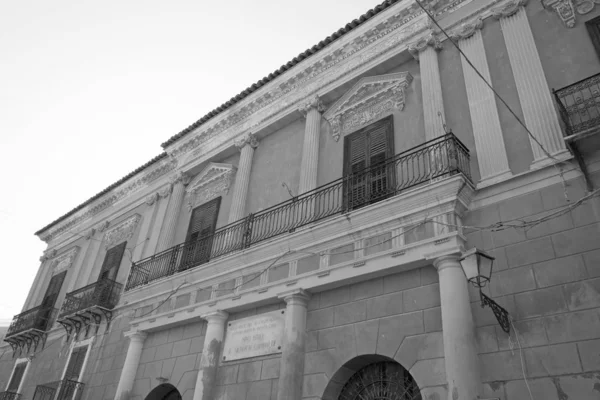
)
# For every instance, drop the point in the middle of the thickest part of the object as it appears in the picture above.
(421, 165)
(30, 327)
(10, 396)
(89, 304)
(579, 107)
(67, 390)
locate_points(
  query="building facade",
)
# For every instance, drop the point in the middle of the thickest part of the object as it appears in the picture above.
(306, 239)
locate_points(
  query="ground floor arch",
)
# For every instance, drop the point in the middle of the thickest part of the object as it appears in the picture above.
(372, 377)
(165, 391)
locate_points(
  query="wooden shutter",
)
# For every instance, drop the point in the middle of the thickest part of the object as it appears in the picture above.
(593, 28)
(112, 261)
(76, 363)
(199, 239)
(53, 289)
(15, 381)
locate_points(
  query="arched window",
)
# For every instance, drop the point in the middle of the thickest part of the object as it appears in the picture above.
(381, 381)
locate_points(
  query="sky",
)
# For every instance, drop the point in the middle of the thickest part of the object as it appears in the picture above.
(90, 89)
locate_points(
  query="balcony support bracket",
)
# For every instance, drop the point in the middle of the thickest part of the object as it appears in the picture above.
(68, 327)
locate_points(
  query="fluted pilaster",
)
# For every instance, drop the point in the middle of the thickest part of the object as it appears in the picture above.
(178, 184)
(310, 150)
(425, 51)
(491, 152)
(536, 101)
(242, 178)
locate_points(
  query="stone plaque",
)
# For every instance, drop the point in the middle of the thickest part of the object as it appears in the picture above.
(254, 336)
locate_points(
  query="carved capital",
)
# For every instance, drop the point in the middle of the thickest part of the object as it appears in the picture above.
(122, 231)
(215, 317)
(103, 226)
(249, 139)
(430, 39)
(90, 233)
(467, 30)
(165, 191)
(178, 177)
(315, 103)
(151, 199)
(509, 9)
(136, 336)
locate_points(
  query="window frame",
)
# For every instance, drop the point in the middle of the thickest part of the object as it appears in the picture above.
(593, 28)
(75, 345)
(17, 362)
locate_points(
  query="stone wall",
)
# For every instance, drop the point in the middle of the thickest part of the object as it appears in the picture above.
(548, 278)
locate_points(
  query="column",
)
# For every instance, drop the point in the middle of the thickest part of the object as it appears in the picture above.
(491, 153)
(211, 350)
(132, 361)
(310, 150)
(291, 368)
(242, 178)
(425, 51)
(538, 107)
(460, 343)
(178, 183)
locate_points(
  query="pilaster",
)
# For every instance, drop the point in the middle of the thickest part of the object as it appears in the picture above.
(246, 146)
(178, 184)
(491, 152)
(310, 150)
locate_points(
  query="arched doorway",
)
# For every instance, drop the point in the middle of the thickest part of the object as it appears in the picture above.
(372, 377)
(165, 391)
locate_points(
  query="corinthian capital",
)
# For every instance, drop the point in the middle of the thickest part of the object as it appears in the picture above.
(315, 103)
(509, 9)
(249, 139)
(180, 176)
(467, 30)
(430, 39)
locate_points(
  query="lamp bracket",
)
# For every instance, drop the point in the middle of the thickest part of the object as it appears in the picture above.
(500, 313)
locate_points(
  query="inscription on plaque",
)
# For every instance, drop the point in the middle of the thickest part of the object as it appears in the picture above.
(254, 336)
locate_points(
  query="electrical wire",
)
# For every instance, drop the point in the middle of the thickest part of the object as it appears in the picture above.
(521, 355)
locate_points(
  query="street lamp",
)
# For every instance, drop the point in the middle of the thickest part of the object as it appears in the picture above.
(477, 266)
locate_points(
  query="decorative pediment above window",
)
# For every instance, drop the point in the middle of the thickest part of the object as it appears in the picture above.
(367, 101)
(214, 180)
(122, 231)
(65, 260)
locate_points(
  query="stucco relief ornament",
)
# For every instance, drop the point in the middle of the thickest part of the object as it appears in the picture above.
(315, 103)
(566, 9)
(214, 180)
(430, 39)
(180, 176)
(151, 199)
(122, 231)
(65, 260)
(249, 139)
(165, 191)
(370, 99)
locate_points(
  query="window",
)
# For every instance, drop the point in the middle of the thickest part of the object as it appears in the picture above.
(73, 372)
(44, 315)
(199, 236)
(17, 377)
(365, 153)
(112, 262)
(593, 27)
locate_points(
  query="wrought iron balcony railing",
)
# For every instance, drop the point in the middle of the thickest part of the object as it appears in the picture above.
(104, 294)
(39, 318)
(10, 396)
(67, 390)
(579, 105)
(434, 159)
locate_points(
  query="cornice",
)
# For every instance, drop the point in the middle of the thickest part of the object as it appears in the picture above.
(368, 100)
(122, 231)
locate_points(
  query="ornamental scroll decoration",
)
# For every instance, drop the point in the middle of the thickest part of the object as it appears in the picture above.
(568, 9)
(65, 260)
(211, 182)
(122, 231)
(370, 99)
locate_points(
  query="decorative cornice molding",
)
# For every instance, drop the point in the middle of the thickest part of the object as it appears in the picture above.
(210, 183)
(467, 30)
(430, 39)
(65, 260)
(122, 231)
(508, 9)
(249, 139)
(122, 192)
(566, 9)
(368, 100)
(315, 103)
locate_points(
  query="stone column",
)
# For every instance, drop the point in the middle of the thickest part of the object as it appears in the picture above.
(132, 361)
(460, 343)
(211, 351)
(291, 368)
(246, 146)
(538, 107)
(178, 183)
(425, 51)
(310, 150)
(491, 152)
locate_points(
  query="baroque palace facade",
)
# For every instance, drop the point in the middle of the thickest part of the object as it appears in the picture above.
(309, 239)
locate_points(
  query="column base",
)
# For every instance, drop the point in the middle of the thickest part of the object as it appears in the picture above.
(493, 179)
(560, 156)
